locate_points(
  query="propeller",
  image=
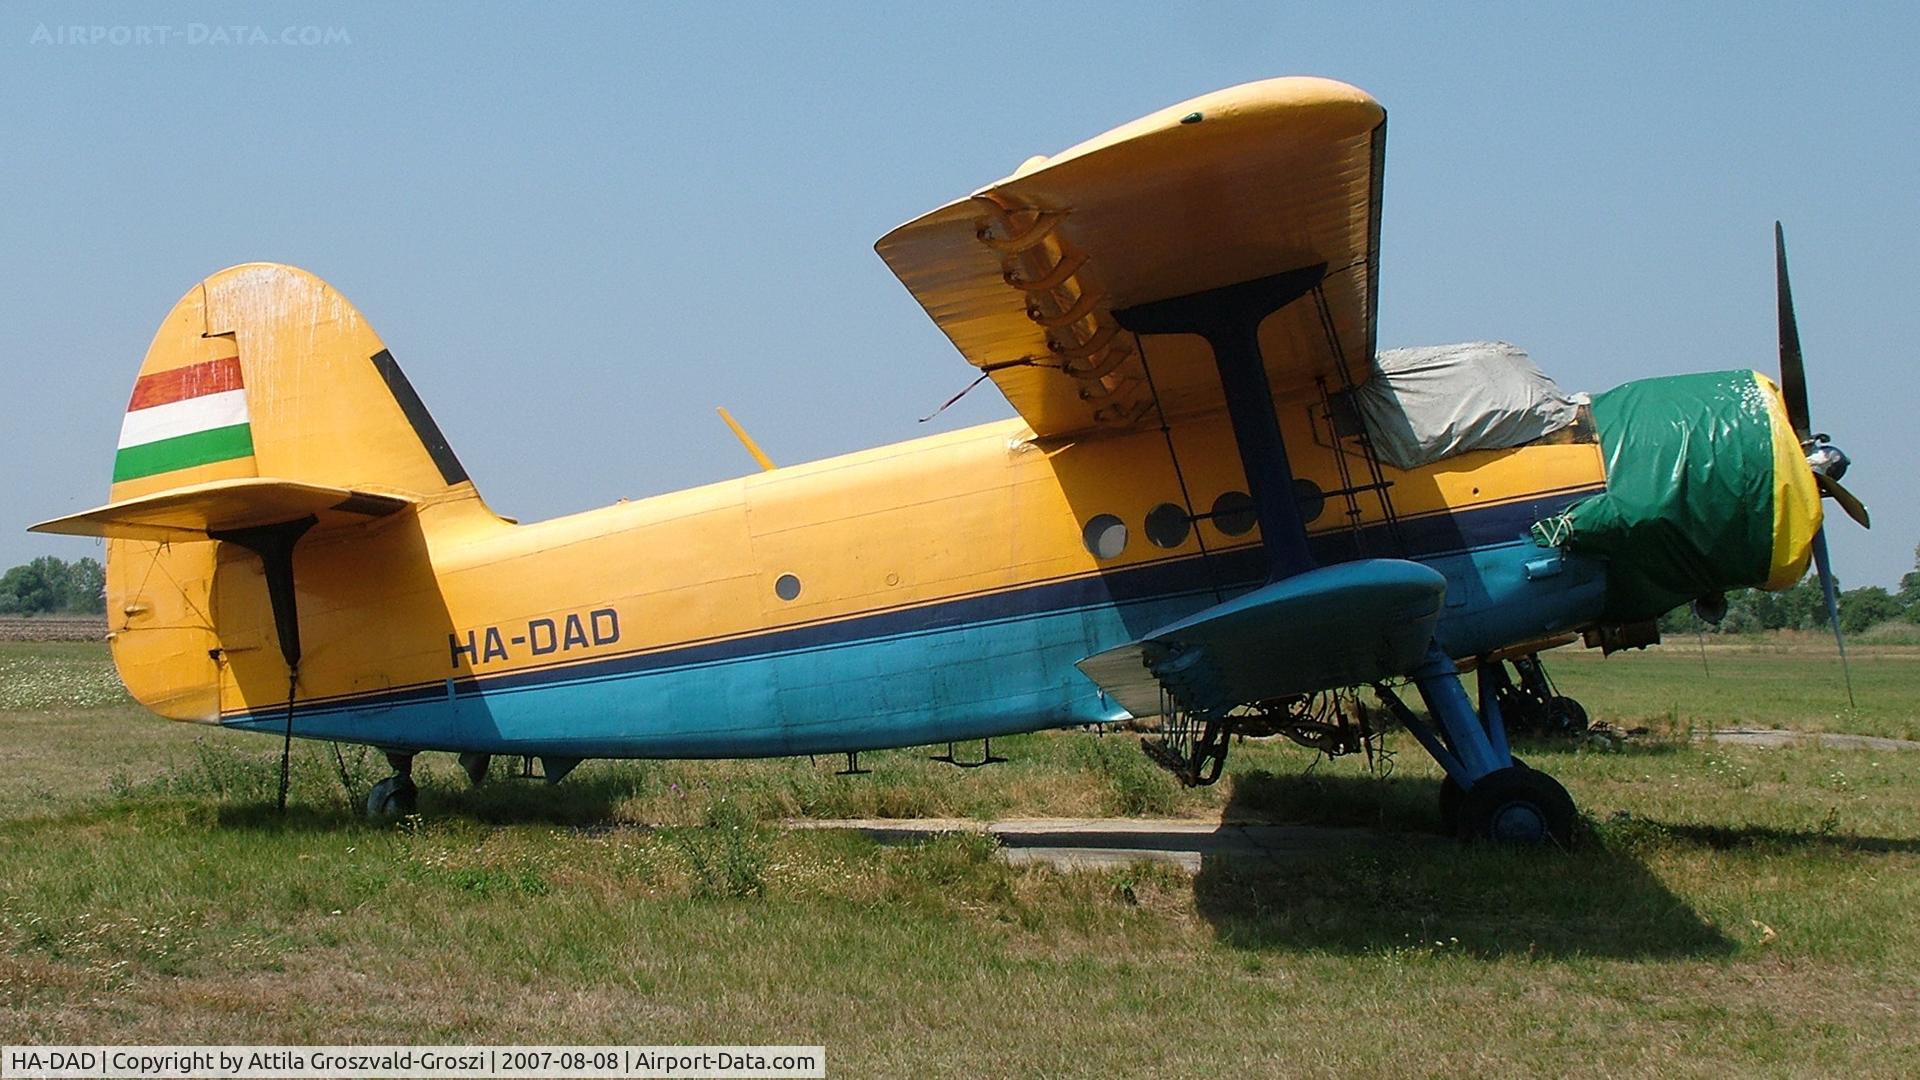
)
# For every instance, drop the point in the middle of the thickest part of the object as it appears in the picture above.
(1828, 462)
(1827, 586)
(1855, 509)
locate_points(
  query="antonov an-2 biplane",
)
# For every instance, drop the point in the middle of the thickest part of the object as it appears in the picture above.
(1218, 505)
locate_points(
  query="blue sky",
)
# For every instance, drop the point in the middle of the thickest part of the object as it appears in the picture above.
(581, 228)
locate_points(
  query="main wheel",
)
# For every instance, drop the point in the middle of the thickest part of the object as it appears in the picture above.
(1517, 805)
(396, 796)
(1450, 798)
(1566, 715)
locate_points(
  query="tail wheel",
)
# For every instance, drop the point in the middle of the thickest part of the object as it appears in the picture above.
(396, 796)
(1517, 805)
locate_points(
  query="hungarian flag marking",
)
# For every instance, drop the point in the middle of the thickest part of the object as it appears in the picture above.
(194, 415)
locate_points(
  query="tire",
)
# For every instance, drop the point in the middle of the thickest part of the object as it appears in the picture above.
(1566, 715)
(1518, 805)
(394, 797)
(1451, 796)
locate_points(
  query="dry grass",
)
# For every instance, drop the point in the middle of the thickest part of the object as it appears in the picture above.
(1737, 910)
(1785, 680)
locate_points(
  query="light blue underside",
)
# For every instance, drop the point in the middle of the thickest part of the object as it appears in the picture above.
(909, 689)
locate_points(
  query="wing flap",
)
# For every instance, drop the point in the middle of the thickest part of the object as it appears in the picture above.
(1121, 673)
(190, 513)
(1342, 625)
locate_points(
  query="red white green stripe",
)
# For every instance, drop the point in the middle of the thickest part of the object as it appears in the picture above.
(194, 415)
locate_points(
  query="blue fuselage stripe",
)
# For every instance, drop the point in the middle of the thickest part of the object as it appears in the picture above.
(1070, 615)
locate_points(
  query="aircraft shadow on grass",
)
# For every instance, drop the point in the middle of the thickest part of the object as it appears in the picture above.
(589, 798)
(1386, 883)
(1403, 887)
(1734, 837)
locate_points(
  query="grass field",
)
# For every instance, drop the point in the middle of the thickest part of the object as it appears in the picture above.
(1733, 909)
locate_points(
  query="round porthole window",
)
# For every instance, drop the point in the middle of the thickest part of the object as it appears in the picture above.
(1310, 499)
(1234, 513)
(1168, 525)
(1105, 536)
(787, 587)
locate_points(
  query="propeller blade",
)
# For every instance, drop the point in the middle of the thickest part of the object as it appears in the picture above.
(1825, 567)
(1848, 501)
(1793, 372)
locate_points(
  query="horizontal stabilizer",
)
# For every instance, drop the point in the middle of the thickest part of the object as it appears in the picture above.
(1341, 625)
(190, 513)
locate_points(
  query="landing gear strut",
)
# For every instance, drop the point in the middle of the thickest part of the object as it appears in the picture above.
(1531, 704)
(1192, 748)
(397, 795)
(1487, 794)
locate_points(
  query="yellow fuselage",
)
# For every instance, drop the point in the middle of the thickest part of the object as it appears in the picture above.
(904, 558)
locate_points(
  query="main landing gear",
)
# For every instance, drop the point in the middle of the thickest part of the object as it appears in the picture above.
(1487, 794)
(1531, 704)
(397, 795)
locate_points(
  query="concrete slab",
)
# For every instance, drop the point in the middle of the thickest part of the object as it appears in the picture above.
(1774, 739)
(1101, 843)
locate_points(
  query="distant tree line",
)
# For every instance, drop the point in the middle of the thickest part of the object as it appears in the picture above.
(1804, 607)
(49, 585)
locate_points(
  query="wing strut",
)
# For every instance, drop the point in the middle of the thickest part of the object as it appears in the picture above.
(753, 448)
(1229, 317)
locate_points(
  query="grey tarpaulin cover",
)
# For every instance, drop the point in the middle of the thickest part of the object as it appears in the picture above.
(1435, 401)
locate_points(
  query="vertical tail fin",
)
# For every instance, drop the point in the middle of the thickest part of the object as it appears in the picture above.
(265, 370)
(265, 398)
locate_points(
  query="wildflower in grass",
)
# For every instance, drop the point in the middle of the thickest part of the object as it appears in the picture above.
(51, 681)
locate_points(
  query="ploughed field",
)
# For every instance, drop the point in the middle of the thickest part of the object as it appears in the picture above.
(1731, 908)
(53, 627)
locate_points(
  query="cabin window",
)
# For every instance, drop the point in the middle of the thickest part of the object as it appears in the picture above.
(1311, 500)
(1168, 525)
(1234, 513)
(1105, 536)
(787, 587)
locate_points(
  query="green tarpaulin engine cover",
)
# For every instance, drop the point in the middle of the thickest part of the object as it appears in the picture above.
(1707, 490)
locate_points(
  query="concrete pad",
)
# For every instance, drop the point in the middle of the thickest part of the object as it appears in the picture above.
(1774, 739)
(1101, 843)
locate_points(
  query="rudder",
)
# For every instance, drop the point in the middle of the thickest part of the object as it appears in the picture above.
(265, 370)
(265, 396)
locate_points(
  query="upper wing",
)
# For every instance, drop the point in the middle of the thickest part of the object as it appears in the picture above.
(1241, 183)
